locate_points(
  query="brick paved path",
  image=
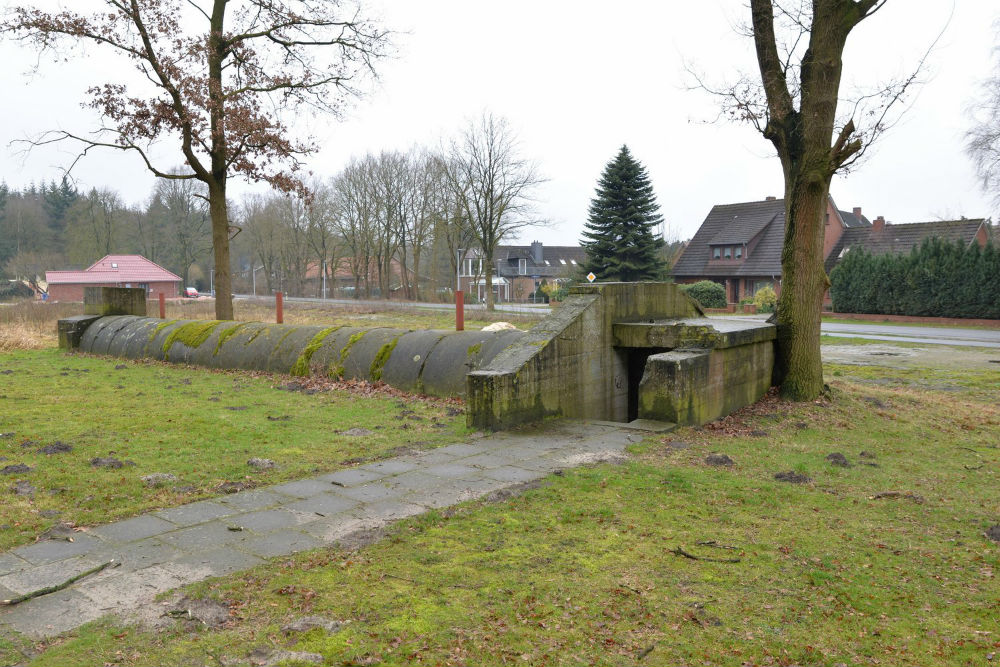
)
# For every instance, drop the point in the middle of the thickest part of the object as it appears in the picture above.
(163, 550)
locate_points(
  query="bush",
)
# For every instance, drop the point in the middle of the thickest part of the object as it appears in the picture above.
(765, 299)
(15, 290)
(709, 294)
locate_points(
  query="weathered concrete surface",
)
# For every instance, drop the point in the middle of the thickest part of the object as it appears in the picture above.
(114, 301)
(432, 362)
(589, 359)
(163, 550)
(695, 386)
(568, 364)
(71, 330)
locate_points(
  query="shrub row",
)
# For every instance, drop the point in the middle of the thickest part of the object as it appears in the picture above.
(937, 279)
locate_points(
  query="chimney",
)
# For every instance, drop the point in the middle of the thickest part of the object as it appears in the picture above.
(770, 198)
(536, 251)
(878, 224)
(857, 211)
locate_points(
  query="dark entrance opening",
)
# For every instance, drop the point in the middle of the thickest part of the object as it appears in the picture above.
(636, 366)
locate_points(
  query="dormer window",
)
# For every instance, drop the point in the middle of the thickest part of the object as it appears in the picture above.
(716, 253)
(728, 253)
(522, 266)
(739, 252)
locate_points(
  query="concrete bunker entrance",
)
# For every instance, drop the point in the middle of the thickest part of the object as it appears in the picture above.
(635, 364)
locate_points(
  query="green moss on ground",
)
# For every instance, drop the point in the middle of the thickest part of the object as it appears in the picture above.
(474, 349)
(192, 334)
(301, 367)
(378, 363)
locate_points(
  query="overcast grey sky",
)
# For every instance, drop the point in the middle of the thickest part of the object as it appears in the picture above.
(577, 79)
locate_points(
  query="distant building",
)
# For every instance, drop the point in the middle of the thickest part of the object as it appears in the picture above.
(519, 270)
(113, 271)
(739, 245)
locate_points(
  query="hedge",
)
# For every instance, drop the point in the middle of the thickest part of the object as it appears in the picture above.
(937, 279)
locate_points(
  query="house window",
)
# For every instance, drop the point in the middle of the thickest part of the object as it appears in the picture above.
(728, 254)
(474, 266)
(522, 266)
(739, 252)
(716, 253)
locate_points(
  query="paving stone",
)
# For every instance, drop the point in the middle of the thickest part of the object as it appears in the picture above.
(11, 563)
(512, 474)
(351, 477)
(542, 464)
(415, 481)
(493, 460)
(7, 594)
(51, 615)
(332, 528)
(195, 513)
(390, 467)
(257, 499)
(265, 521)
(452, 493)
(203, 537)
(322, 505)
(385, 511)
(451, 470)
(130, 530)
(216, 562)
(433, 457)
(40, 576)
(139, 555)
(50, 551)
(462, 450)
(368, 492)
(302, 488)
(128, 590)
(280, 543)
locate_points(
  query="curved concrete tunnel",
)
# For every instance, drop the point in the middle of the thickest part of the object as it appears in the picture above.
(433, 362)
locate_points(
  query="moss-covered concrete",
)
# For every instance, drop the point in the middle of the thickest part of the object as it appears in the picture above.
(395, 356)
(575, 363)
(114, 301)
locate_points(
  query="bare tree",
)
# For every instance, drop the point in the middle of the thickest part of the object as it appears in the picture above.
(356, 222)
(225, 73)
(983, 140)
(96, 226)
(492, 184)
(180, 210)
(794, 105)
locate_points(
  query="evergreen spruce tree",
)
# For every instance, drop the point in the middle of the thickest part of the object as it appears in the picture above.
(620, 243)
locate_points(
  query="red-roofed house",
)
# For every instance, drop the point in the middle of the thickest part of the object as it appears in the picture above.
(114, 271)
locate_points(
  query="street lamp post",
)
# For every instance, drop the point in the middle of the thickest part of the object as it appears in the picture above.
(254, 276)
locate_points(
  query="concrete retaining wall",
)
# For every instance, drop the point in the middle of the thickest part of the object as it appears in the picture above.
(430, 362)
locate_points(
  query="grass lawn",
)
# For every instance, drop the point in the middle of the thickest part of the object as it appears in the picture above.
(883, 562)
(59, 412)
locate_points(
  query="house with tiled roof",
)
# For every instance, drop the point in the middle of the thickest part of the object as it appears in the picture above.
(883, 238)
(739, 245)
(113, 271)
(518, 270)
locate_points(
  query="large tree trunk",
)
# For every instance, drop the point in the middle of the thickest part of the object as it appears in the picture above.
(220, 244)
(798, 364)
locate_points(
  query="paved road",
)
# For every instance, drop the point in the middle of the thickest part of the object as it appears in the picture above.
(163, 550)
(915, 334)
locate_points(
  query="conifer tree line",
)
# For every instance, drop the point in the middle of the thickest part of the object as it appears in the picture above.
(937, 279)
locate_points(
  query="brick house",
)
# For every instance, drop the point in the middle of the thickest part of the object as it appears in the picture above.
(739, 245)
(114, 271)
(519, 271)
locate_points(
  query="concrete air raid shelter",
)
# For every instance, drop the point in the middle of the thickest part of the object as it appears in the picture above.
(611, 352)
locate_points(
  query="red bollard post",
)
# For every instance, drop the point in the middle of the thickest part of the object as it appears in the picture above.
(279, 303)
(459, 311)
(163, 307)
